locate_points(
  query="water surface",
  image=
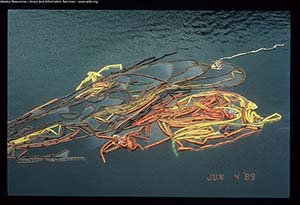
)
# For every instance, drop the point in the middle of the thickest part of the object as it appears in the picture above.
(49, 53)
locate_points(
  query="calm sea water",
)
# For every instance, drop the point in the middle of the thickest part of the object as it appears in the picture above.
(49, 53)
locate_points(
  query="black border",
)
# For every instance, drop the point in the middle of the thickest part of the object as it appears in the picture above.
(165, 5)
(289, 5)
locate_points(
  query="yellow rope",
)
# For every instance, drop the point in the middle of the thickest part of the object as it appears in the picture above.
(93, 76)
(34, 134)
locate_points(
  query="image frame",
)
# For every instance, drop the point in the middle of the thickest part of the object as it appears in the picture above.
(294, 142)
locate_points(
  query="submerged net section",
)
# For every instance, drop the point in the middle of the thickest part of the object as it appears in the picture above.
(183, 98)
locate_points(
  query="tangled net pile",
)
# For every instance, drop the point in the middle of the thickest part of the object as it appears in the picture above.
(184, 100)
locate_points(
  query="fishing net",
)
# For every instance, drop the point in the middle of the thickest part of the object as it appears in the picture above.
(183, 98)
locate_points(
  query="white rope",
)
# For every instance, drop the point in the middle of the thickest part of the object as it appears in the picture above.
(249, 52)
(217, 65)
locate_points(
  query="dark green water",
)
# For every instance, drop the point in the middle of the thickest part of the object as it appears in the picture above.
(49, 53)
